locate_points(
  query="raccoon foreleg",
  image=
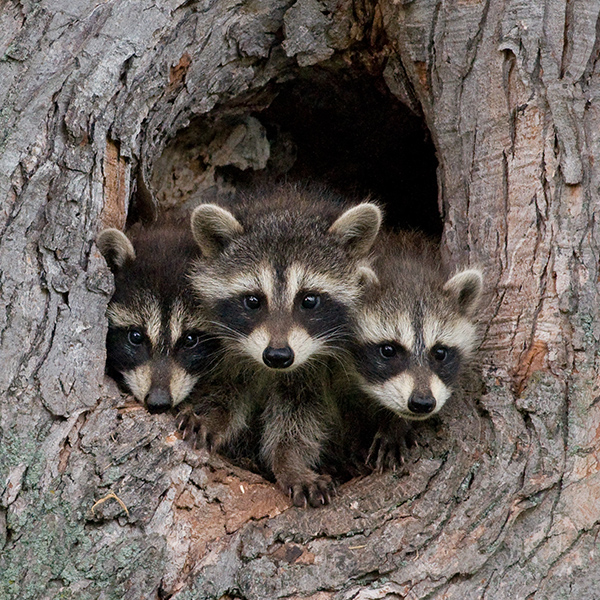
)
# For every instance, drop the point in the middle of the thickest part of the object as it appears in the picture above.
(213, 418)
(204, 428)
(293, 437)
(390, 445)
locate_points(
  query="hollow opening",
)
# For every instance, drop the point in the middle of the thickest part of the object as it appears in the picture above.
(340, 127)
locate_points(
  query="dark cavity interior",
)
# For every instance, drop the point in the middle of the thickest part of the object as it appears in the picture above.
(337, 126)
(333, 124)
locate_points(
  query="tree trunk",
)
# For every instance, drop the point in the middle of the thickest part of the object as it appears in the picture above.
(99, 499)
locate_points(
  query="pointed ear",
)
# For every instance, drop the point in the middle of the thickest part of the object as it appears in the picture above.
(213, 228)
(366, 275)
(358, 227)
(466, 287)
(115, 247)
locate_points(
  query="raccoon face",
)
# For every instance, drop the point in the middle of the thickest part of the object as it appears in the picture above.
(280, 289)
(157, 347)
(158, 352)
(282, 320)
(409, 360)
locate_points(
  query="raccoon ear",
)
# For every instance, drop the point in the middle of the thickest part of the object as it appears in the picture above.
(115, 247)
(366, 275)
(358, 227)
(466, 287)
(213, 228)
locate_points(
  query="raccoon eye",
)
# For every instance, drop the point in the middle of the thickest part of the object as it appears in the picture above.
(252, 302)
(135, 337)
(387, 350)
(311, 301)
(440, 353)
(191, 340)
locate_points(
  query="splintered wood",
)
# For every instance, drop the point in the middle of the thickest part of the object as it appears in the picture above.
(116, 187)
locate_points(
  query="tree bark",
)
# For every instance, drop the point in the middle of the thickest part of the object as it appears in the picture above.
(99, 499)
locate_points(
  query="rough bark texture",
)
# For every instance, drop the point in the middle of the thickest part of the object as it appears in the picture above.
(99, 499)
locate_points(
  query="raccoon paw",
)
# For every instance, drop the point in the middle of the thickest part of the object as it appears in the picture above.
(196, 432)
(384, 455)
(316, 491)
(389, 447)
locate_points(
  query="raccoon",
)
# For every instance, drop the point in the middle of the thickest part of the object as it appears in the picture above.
(415, 333)
(279, 274)
(157, 345)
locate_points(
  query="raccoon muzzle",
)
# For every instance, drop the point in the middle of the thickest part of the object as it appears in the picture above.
(421, 404)
(278, 358)
(158, 400)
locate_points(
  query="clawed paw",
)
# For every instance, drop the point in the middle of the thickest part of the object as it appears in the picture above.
(194, 430)
(315, 492)
(384, 456)
(389, 448)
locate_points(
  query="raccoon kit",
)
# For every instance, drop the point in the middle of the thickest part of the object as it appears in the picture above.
(415, 335)
(279, 274)
(156, 345)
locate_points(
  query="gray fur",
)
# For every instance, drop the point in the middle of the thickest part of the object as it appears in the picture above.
(358, 227)
(213, 228)
(466, 287)
(115, 247)
(153, 302)
(285, 225)
(288, 232)
(417, 309)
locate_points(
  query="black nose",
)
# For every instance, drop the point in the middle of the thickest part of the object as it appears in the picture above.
(420, 404)
(278, 358)
(158, 400)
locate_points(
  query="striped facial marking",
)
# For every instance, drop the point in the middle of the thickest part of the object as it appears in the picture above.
(182, 323)
(459, 333)
(375, 328)
(139, 381)
(254, 345)
(292, 308)
(152, 347)
(393, 393)
(441, 392)
(303, 345)
(176, 322)
(222, 287)
(298, 278)
(146, 315)
(401, 359)
(181, 384)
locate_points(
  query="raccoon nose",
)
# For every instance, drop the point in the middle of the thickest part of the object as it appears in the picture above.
(278, 358)
(158, 401)
(421, 404)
